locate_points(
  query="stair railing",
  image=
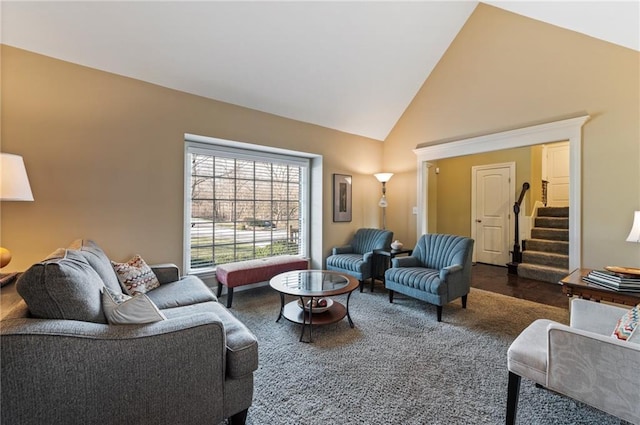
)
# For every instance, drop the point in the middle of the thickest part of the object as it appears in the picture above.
(516, 254)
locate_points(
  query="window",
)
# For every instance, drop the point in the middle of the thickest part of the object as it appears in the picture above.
(243, 204)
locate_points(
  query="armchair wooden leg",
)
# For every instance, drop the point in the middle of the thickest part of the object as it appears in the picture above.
(239, 418)
(361, 285)
(390, 296)
(439, 312)
(513, 392)
(464, 301)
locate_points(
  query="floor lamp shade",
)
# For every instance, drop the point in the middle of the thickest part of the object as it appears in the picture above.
(14, 183)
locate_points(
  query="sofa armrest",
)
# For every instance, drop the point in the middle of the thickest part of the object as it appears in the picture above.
(345, 249)
(166, 273)
(595, 369)
(166, 372)
(405, 262)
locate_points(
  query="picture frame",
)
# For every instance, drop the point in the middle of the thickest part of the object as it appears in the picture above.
(341, 198)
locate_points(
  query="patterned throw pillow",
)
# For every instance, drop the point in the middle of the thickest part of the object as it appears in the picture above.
(121, 309)
(135, 276)
(627, 324)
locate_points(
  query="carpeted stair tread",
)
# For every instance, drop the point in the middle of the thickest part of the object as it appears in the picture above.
(543, 245)
(543, 273)
(545, 256)
(553, 212)
(552, 222)
(546, 259)
(550, 234)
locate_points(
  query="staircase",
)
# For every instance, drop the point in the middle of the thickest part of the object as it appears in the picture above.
(546, 255)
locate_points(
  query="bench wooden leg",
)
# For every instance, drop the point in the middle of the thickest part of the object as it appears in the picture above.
(219, 293)
(229, 297)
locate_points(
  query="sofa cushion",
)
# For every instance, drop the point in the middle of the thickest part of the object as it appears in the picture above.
(419, 278)
(186, 291)
(241, 343)
(122, 309)
(63, 286)
(135, 276)
(99, 261)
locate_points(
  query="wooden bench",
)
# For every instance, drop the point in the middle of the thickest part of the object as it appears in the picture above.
(253, 271)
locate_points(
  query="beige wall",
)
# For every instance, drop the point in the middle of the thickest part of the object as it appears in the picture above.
(505, 71)
(453, 183)
(105, 153)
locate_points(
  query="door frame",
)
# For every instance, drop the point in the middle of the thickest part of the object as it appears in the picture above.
(568, 129)
(512, 200)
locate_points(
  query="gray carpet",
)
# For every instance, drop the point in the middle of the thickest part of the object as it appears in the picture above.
(399, 365)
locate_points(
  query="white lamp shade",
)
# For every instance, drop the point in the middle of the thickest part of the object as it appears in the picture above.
(383, 177)
(634, 235)
(14, 183)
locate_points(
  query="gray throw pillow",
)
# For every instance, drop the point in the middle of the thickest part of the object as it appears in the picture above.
(64, 286)
(121, 309)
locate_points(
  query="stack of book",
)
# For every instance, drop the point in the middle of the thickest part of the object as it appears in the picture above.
(615, 281)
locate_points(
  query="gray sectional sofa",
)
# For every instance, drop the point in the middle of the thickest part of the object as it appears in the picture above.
(62, 363)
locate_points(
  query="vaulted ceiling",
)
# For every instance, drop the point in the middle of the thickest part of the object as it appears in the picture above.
(350, 66)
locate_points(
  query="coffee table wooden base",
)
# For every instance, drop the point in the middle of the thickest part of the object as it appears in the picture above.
(293, 313)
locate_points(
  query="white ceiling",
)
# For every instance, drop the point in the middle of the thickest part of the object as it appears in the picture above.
(350, 66)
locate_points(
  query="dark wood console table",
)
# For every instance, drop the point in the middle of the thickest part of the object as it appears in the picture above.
(573, 285)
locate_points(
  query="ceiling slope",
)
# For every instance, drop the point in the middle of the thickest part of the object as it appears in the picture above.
(350, 66)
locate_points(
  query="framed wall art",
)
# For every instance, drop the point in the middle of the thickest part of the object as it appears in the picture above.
(341, 197)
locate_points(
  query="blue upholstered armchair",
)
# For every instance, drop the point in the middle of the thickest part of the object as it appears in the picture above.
(438, 271)
(356, 258)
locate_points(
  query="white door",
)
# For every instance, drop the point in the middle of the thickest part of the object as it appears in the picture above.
(556, 172)
(493, 196)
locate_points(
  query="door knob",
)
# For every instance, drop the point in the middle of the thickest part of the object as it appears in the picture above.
(478, 220)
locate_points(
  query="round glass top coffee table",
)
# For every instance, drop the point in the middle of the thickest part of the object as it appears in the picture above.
(311, 286)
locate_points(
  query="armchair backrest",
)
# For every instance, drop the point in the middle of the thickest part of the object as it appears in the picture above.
(366, 240)
(437, 251)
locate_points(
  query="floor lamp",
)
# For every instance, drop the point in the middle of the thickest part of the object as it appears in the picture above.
(383, 178)
(14, 186)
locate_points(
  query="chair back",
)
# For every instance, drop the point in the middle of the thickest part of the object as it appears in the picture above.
(366, 240)
(437, 251)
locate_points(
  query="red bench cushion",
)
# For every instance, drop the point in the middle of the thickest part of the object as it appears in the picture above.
(254, 271)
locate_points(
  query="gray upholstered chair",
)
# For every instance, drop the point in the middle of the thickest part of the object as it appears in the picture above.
(582, 361)
(356, 259)
(438, 271)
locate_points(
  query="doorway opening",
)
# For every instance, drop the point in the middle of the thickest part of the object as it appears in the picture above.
(568, 129)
